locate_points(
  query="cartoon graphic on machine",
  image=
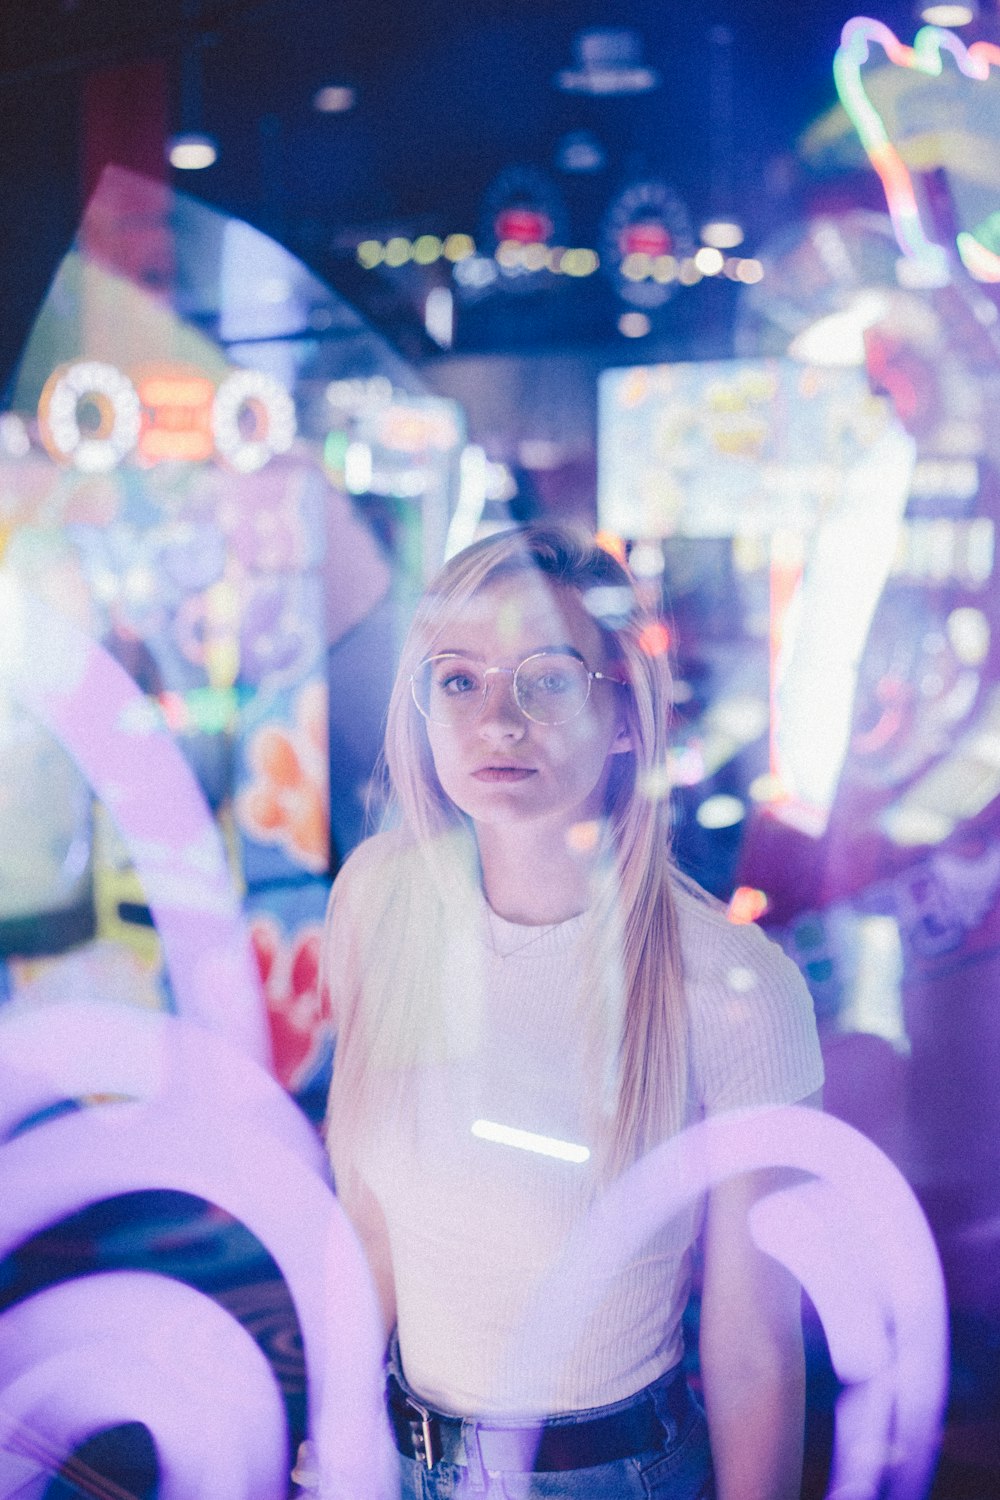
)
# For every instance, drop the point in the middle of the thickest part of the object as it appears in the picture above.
(170, 482)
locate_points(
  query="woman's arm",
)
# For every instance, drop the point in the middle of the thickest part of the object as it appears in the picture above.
(752, 1363)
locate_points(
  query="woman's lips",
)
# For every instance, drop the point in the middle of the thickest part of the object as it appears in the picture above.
(503, 773)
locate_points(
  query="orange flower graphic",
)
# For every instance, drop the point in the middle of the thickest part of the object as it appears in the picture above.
(286, 802)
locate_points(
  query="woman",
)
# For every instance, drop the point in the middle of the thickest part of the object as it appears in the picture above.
(527, 996)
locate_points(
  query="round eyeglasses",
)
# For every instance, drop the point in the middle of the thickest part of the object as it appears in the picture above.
(550, 687)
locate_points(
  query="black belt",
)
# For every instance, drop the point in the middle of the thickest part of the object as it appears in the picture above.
(428, 1435)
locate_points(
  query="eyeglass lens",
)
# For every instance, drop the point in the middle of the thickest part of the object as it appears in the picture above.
(549, 688)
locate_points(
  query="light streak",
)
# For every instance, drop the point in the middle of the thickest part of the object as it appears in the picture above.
(925, 56)
(526, 1140)
(859, 1226)
(90, 1353)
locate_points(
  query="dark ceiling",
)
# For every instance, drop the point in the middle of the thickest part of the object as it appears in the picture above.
(449, 94)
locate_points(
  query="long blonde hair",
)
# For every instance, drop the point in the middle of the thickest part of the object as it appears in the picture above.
(634, 906)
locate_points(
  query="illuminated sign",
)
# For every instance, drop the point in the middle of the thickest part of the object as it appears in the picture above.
(522, 216)
(176, 415)
(646, 233)
(92, 416)
(943, 137)
(253, 417)
(524, 225)
(89, 415)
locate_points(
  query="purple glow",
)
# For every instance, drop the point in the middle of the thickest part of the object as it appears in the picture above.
(888, 1424)
(80, 1048)
(108, 726)
(128, 1346)
(193, 1147)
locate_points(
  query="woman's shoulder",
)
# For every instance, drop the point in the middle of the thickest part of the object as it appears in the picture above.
(373, 856)
(713, 945)
(752, 1024)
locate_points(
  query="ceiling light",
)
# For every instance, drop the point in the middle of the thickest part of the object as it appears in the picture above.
(191, 151)
(579, 151)
(334, 99)
(608, 61)
(722, 234)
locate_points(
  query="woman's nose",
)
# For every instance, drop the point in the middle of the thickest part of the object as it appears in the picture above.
(500, 713)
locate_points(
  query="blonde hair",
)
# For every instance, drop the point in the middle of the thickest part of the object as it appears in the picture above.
(634, 916)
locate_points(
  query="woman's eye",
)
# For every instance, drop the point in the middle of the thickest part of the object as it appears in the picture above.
(458, 683)
(552, 682)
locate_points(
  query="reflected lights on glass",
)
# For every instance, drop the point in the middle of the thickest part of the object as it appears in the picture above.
(334, 99)
(192, 152)
(720, 811)
(526, 1140)
(722, 234)
(634, 325)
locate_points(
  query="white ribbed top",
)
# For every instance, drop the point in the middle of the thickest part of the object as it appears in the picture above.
(471, 1223)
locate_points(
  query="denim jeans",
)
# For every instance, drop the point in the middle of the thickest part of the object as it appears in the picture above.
(679, 1469)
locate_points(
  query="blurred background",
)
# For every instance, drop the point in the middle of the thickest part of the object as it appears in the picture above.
(298, 299)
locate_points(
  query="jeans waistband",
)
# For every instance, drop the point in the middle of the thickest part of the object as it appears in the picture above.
(653, 1416)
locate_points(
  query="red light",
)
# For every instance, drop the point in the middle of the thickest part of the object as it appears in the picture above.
(746, 905)
(648, 238)
(174, 711)
(525, 226)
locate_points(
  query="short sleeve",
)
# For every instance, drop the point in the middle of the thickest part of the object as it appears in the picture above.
(752, 1027)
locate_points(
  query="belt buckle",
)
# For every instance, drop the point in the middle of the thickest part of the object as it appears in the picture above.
(426, 1444)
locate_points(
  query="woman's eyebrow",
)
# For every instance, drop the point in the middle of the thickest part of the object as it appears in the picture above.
(564, 650)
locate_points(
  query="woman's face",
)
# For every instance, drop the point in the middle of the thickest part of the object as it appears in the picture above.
(500, 767)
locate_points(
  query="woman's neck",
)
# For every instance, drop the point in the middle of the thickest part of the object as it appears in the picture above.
(531, 877)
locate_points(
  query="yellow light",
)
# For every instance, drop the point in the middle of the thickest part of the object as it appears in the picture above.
(508, 254)
(766, 788)
(397, 251)
(427, 249)
(579, 263)
(709, 261)
(459, 247)
(665, 269)
(535, 257)
(750, 271)
(689, 274)
(637, 266)
(722, 234)
(369, 254)
(583, 838)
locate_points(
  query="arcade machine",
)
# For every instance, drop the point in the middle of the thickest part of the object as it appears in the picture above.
(169, 478)
(836, 767)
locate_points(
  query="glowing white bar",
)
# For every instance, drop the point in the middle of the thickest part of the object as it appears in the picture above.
(526, 1140)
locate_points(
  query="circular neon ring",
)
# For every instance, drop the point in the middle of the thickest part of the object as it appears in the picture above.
(249, 454)
(118, 401)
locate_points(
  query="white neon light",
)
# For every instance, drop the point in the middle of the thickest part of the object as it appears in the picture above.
(850, 558)
(118, 407)
(272, 412)
(526, 1140)
(473, 481)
